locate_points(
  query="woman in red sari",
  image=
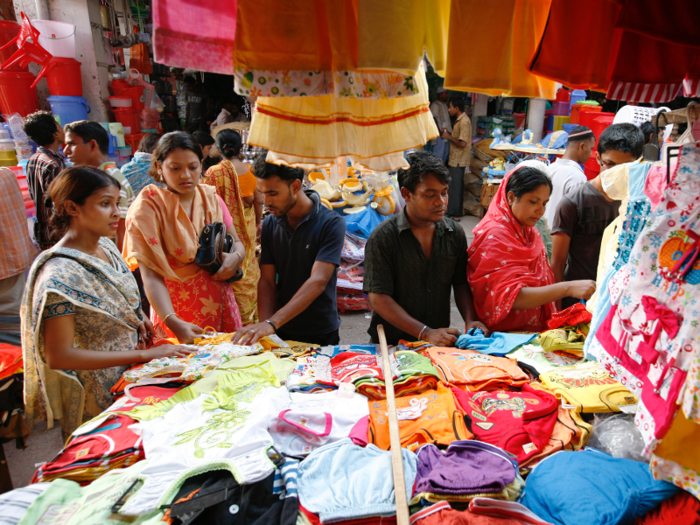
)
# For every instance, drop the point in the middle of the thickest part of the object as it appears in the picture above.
(510, 277)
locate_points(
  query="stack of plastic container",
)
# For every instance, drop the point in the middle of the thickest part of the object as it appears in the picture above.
(23, 147)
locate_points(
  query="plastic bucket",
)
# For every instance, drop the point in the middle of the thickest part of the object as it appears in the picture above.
(63, 77)
(58, 38)
(576, 95)
(16, 93)
(129, 117)
(118, 85)
(600, 124)
(69, 109)
(9, 31)
(136, 94)
(588, 119)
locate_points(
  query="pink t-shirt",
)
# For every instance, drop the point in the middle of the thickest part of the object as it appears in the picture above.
(228, 220)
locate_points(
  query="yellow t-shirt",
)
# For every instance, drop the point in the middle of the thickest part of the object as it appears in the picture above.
(589, 387)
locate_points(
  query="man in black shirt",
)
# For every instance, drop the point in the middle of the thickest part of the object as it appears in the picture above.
(415, 259)
(301, 245)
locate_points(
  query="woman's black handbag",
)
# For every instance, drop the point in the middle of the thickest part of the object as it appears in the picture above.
(213, 244)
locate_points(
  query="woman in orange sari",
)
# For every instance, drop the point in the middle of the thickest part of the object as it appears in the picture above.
(235, 184)
(163, 227)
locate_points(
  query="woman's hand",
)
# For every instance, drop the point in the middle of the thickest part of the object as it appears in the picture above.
(184, 331)
(166, 351)
(146, 333)
(441, 336)
(581, 289)
(477, 324)
(232, 261)
(249, 335)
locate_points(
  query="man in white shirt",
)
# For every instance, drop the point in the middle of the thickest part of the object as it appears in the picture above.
(230, 112)
(441, 114)
(567, 172)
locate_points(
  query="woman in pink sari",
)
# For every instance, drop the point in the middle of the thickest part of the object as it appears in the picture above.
(510, 277)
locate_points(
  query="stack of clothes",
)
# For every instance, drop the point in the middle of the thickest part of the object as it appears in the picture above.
(106, 442)
(351, 275)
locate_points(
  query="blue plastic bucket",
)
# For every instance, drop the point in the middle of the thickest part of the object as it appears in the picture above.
(69, 109)
(568, 127)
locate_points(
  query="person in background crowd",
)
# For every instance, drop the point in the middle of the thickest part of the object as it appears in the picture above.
(199, 108)
(162, 240)
(87, 144)
(238, 193)
(16, 255)
(77, 345)
(441, 115)
(582, 216)
(230, 112)
(137, 170)
(566, 171)
(511, 280)
(415, 259)
(205, 141)
(208, 145)
(460, 155)
(43, 167)
(648, 129)
(301, 245)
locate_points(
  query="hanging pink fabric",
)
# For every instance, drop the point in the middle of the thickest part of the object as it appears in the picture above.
(196, 35)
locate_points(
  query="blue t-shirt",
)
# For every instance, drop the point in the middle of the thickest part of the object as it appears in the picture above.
(319, 237)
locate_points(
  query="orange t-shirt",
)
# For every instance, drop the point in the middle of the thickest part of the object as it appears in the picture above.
(473, 371)
(430, 417)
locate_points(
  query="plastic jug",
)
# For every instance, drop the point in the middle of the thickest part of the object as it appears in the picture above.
(117, 130)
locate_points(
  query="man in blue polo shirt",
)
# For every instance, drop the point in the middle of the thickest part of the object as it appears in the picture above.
(301, 244)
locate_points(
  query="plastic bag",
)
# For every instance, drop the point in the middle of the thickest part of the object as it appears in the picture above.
(617, 435)
(150, 99)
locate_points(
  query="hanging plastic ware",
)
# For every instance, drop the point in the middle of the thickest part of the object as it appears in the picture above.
(17, 94)
(58, 38)
(8, 34)
(63, 77)
(29, 49)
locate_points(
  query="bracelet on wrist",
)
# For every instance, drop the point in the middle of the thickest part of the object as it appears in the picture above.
(272, 325)
(166, 317)
(420, 335)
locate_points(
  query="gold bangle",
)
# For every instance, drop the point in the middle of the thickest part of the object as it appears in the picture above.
(166, 317)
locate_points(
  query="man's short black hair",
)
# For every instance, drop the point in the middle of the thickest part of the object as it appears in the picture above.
(626, 138)
(423, 164)
(40, 127)
(88, 130)
(203, 138)
(579, 134)
(264, 170)
(458, 102)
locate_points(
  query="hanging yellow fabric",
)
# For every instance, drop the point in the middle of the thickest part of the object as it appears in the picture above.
(313, 131)
(394, 34)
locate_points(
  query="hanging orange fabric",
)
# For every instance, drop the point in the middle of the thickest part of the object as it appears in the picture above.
(490, 53)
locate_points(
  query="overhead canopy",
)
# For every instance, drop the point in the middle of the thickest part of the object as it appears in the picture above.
(369, 51)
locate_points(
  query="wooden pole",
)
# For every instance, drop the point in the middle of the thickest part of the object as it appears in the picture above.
(402, 515)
